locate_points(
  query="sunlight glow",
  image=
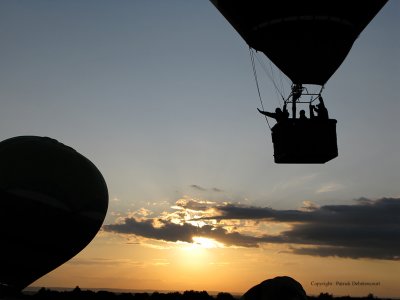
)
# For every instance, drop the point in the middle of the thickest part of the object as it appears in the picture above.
(206, 242)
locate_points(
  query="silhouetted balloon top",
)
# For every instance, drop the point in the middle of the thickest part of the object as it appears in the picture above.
(306, 40)
(278, 288)
(53, 201)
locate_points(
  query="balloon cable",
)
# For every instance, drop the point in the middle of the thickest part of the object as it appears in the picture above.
(270, 76)
(256, 80)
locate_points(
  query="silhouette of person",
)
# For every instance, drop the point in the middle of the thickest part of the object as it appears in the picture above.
(297, 89)
(311, 107)
(322, 112)
(279, 115)
(303, 115)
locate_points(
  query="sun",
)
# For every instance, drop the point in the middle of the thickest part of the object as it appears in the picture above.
(205, 243)
(199, 254)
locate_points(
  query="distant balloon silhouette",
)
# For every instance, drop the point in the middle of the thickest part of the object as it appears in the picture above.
(53, 201)
(278, 288)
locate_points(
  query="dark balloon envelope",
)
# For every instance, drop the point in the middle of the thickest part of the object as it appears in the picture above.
(307, 40)
(53, 201)
(278, 288)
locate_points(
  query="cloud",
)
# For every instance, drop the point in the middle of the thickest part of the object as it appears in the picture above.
(309, 206)
(192, 204)
(202, 189)
(103, 261)
(329, 187)
(171, 232)
(197, 187)
(365, 229)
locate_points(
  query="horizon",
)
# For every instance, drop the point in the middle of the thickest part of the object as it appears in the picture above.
(35, 289)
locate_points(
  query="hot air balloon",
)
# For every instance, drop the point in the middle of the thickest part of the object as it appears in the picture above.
(307, 40)
(53, 201)
(278, 288)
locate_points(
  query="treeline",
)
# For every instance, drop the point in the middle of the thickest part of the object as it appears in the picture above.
(326, 296)
(78, 294)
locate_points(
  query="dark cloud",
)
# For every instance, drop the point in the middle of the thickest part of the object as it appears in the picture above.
(172, 232)
(366, 229)
(197, 187)
(168, 232)
(200, 188)
(349, 252)
(384, 211)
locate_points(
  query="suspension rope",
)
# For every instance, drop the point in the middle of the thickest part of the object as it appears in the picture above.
(282, 86)
(277, 89)
(256, 80)
(317, 95)
(270, 76)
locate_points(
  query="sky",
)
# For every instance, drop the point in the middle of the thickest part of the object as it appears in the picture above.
(161, 97)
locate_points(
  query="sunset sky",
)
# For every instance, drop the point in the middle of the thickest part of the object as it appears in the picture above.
(160, 96)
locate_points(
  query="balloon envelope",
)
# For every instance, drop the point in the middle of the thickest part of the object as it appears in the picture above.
(278, 288)
(307, 40)
(52, 203)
